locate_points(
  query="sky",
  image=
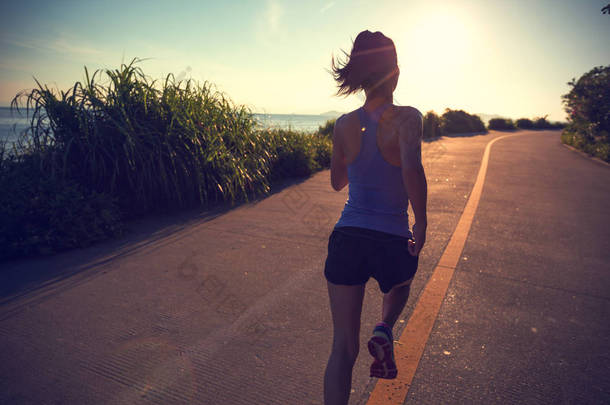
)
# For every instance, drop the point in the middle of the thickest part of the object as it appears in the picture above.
(511, 57)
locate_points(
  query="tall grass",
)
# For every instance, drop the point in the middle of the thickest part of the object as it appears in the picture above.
(126, 146)
(156, 146)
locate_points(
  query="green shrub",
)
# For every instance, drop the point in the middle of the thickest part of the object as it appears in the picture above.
(584, 137)
(525, 123)
(296, 154)
(538, 123)
(323, 146)
(432, 125)
(327, 129)
(501, 124)
(459, 121)
(602, 151)
(542, 123)
(41, 213)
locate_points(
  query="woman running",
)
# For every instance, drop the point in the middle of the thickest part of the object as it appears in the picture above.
(377, 150)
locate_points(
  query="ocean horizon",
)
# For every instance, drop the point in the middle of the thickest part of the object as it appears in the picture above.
(13, 123)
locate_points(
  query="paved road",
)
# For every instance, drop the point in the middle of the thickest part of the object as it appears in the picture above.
(231, 306)
(525, 319)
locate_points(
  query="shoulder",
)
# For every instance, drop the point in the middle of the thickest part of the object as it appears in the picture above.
(407, 112)
(411, 119)
(347, 121)
(402, 119)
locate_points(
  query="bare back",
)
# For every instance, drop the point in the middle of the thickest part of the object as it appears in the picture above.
(391, 122)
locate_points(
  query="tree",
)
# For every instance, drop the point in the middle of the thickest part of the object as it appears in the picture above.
(588, 102)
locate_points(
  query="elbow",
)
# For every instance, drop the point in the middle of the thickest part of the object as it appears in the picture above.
(337, 186)
(333, 185)
(338, 182)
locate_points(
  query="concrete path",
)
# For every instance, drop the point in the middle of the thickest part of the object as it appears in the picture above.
(231, 307)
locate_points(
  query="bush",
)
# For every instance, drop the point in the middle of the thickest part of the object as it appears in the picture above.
(296, 154)
(432, 125)
(323, 146)
(525, 123)
(542, 123)
(593, 145)
(327, 129)
(538, 123)
(41, 213)
(501, 124)
(459, 121)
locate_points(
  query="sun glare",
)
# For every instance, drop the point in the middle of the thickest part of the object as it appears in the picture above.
(436, 54)
(442, 38)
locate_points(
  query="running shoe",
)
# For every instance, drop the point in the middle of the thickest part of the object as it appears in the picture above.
(381, 347)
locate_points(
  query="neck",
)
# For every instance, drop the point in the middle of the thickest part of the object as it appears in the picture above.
(372, 102)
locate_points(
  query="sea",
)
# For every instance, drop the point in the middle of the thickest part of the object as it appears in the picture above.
(12, 122)
(295, 122)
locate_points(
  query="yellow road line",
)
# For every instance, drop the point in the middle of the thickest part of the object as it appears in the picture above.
(412, 341)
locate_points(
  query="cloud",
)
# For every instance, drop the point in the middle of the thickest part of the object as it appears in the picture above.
(274, 13)
(59, 45)
(327, 6)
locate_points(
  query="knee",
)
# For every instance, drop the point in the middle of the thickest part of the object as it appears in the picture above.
(347, 349)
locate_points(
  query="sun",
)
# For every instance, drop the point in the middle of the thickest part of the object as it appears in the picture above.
(440, 37)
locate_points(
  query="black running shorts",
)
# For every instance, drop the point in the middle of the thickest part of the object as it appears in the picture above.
(355, 254)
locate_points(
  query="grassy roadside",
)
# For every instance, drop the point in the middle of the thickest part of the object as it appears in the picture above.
(593, 145)
(119, 146)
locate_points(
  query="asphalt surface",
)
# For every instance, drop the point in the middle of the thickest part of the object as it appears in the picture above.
(525, 319)
(231, 306)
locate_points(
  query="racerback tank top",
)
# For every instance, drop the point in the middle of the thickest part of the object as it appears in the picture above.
(377, 197)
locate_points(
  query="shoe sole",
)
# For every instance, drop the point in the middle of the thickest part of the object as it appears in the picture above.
(383, 366)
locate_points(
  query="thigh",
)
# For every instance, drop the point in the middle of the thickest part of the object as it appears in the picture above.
(346, 309)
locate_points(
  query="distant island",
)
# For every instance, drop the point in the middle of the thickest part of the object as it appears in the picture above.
(333, 114)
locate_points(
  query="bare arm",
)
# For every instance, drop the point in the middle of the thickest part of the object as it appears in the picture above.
(338, 168)
(410, 136)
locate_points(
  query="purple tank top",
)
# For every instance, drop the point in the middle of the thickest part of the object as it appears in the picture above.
(377, 198)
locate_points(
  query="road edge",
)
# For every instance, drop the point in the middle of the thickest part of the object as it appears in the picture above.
(584, 154)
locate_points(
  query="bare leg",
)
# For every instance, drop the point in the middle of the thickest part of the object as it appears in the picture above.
(394, 302)
(346, 308)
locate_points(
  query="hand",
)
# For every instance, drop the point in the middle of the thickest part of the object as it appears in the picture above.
(419, 235)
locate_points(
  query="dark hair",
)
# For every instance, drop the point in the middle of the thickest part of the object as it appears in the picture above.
(370, 65)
